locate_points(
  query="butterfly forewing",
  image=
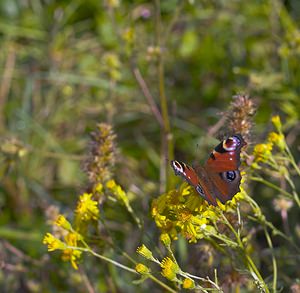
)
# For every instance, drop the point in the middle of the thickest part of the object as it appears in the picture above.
(226, 155)
(195, 178)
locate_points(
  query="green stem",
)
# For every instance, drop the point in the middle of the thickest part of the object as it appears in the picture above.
(87, 249)
(187, 275)
(230, 226)
(161, 284)
(184, 274)
(295, 194)
(273, 260)
(225, 240)
(259, 218)
(269, 184)
(239, 220)
(252, 267)
(167, 140)
(292, 160)
(133, 214)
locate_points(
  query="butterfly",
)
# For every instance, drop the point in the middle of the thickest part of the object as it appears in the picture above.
(220, 177)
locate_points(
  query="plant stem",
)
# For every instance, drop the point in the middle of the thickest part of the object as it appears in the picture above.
(252, 267)
(161, 284)
(88, 249)
(269, 184)
(148, 95)
(117, 264)
(295, 194)
(202, 279)
(249, 262)
(259, 218)
(166, 136)
(292, 160)
(273, 260)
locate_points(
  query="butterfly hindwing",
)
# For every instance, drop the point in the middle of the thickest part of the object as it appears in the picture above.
(222, 167)
(224, 188)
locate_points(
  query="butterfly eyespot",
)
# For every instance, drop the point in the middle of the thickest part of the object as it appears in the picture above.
(178, 167)
(231, 143)
(229, 176)
(236, 139)
(200, 190)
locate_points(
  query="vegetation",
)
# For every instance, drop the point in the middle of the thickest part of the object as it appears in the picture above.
(97, 97)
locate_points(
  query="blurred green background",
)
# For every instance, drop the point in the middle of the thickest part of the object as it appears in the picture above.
(68, 65)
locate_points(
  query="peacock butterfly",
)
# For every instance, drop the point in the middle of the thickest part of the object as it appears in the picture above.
(219, 177)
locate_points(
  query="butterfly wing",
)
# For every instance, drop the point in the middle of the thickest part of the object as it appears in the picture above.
(222, 167)
(197, 179)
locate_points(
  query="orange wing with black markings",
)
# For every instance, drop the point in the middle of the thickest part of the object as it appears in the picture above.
(220, 177)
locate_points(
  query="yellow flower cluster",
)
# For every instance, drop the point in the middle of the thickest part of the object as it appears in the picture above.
(53, 243)
(184, 212)
(87, 208)
(169, 268)
(262, 153)
(98, 166)
(62, 222)
(68, 246)
(277, 139)
(117, 191)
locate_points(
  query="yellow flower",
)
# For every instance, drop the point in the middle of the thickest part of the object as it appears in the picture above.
(87, 208)
(111, 184)
(99, 188)
(190, 232)
(122, 195)
(165, 239)
(188, 283)
(184, 215)
(72, 238)
(277, 139)
(142, 269)
(61, 221)
(118, 191)
(145, 252)
(277, 123)
(262, 152)
(53, 243)
(169, 268)
(185, 189)
(210, 214)
(182, 211)
(71, 254)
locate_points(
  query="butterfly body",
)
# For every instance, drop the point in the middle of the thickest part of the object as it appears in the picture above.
(219, 177)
